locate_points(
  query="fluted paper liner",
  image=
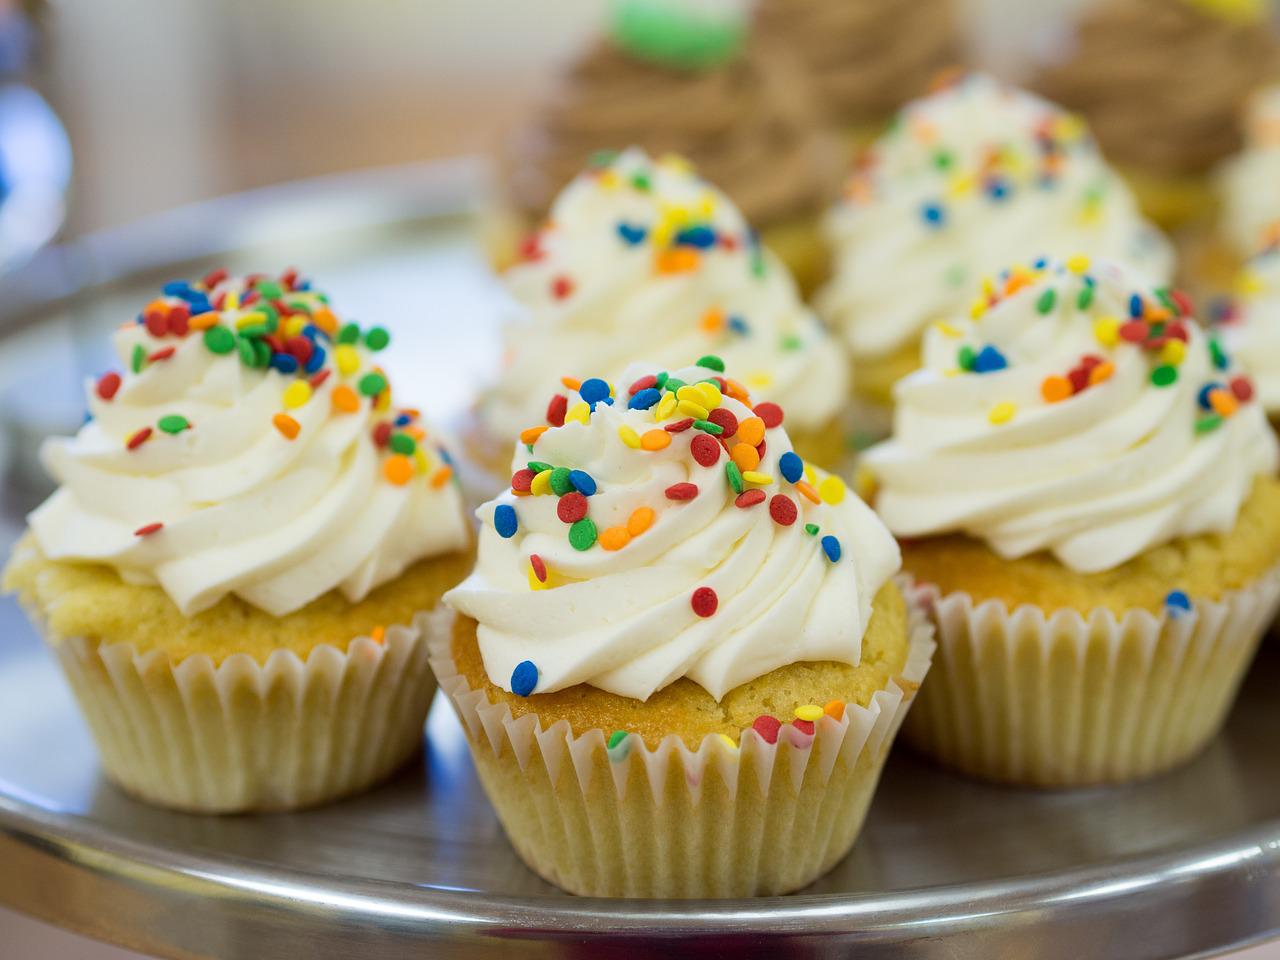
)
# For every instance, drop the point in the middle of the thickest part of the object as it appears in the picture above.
(1058, 699)
(672, 822)
(240, 735)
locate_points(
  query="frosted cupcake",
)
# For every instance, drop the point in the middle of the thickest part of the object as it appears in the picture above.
(683, 78)
(645, 258)
(244, 532)
(1249, 327)
(968, 179)
(1084, 484)
(680, 660)
(1163, 83)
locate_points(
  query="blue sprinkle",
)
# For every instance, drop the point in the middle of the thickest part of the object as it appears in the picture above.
(1178, 603)
(445, 455)
(1040, 263)
(631, 233)
(311, 331)
(989, 360)
(315, 361)
(284, 362)
(831, 547)
(1135, 306)
(524, 678)
(701, 237)
(791, 466)
(644, 399)
(997, 188)
(302, 285)
(403, 420)
(933, 214)
(176, 288)
(593, 390)
(738, 325)
(583, 482)
(139, 320)
(1202, 397)
(198, 303)
(504, 521)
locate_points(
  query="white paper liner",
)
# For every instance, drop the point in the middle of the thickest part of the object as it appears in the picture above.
(243, 736)
(1060, 699)
(670, 822)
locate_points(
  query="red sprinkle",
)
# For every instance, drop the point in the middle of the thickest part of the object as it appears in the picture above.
(644, 383)
(561, 287)
(522, 480)
(783, 510)
(572, 507)
(682, 491)
(1089, 361)
(164, 353)
(300, 347)
(1242, 387)
(178, 318)
(138, 439)
(725, 420)
(749, 498)
(157, 323)
(556, 410)
(274, 342)
(289, 278)
(211, 280)
(1079, 378)
(767, 727)
(108, 384)
(1186, 308)
(679, 426)
(539, 568)
(804, 726)
(382, 434)
(1135, 331)
(1176, 331)
(705, 449)
(319, 377)
(770, 413)
(530, 247)
(761, 447)
(149, 529)
(704, 602)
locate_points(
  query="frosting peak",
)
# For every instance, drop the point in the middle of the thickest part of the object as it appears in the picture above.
(667, 530)
(1079, 411)
(249, 447)
(1251, 181)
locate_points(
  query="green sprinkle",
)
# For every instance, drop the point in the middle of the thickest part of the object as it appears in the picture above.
(1164, 375)
(943, 159)
(582, 535)
(711, 362)
(372, 384)
(1208, 424)
(273, 315)
(219, 339)
(1085, 297)
(537, 466)
(757, 264)
(661, 380)
(403, 443)
(139, 359)
(735, 477)
(349, 333)
(173, 423)
(673, 384)
(1162, 294)
(255, 330)
(1218, 355)
(706, 426)
(811, 529)
(792, 341)
(261, 353)
(616, 738)
(248, 356)
(602, 158)
(641, 182)
(1046, 301)
(377, 338)
(269, 289)
(559, 481)
(965, 357)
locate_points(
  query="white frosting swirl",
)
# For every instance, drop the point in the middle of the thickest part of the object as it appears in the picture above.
(1250, 182)
(1252, 334)
(1097, 476)
(610, 279)
(244, 509)
(623, 620)
(966, 181)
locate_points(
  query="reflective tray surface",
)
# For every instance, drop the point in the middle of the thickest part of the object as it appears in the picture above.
(1184, 865)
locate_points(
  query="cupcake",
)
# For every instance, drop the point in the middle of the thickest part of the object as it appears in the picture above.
(865, 58)
(244, 532)
(681, 659)
(1249, 325)
(971, 178)
(1162, 83)
(1084, 486)
(644, 258)
(682, 78)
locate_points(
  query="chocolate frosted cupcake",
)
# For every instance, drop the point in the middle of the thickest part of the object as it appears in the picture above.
(681, 659)
(1163, 84)
(742, 111)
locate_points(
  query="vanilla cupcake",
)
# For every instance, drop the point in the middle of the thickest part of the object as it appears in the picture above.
(1249, 327)
(232, 566)
(968, 179)
(644, 258)
(1084, 486)
(680, 660)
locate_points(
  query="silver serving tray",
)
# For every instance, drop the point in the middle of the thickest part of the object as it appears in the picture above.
(1183, 865)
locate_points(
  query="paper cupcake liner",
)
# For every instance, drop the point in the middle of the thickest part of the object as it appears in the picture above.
(244, 736)
(670, 822)
(1062, 700)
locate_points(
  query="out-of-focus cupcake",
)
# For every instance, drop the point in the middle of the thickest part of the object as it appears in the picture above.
(232, 567)
(680, 660)
(1248, 323)
(967, 180)
(646, 259)
(687, 79)
(1084, 487)
(1163, 84)
(866, 57)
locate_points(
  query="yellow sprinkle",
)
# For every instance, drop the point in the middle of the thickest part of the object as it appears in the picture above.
(947, 329)
(347, 359)
(666, 407)
(382, 402)
(250, 318)
(810, 474)
(420, 460)
(296, 394)
(1173, 352)
(1002, 413)
(629, 437)
(832, 489)
(607, 179)
(689, 391)
(541, 484)
(687, 408)
(977, 308)
(579, 413)
(1078, 263)
(293, 325)
(676, 163)
(960, 185)
(1107, 331)
(810, 712)
(727, 741)
(232, 300)
(711, 395)
(760, 479)
(534, 582)
(1249, 282)
(759, 379)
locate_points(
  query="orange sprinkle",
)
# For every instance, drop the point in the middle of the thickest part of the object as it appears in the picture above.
(1055, 389)
(323, 318)
(807, 491)
(677, 260)
(712, 321)
(641, 519)
(443, 476)
(532, 434)
(1156, 312)
(751, 431)
(288, 426)
(1015, 283)
(1101, 373)
(414, 431)
(398, 469)
(378, 634)
(736, 390)
(203, 321)
(344, 399)
(834, 709)
(1223, 402)
(745, 456)
(573, 383)
(614, 538)
(655, 440)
